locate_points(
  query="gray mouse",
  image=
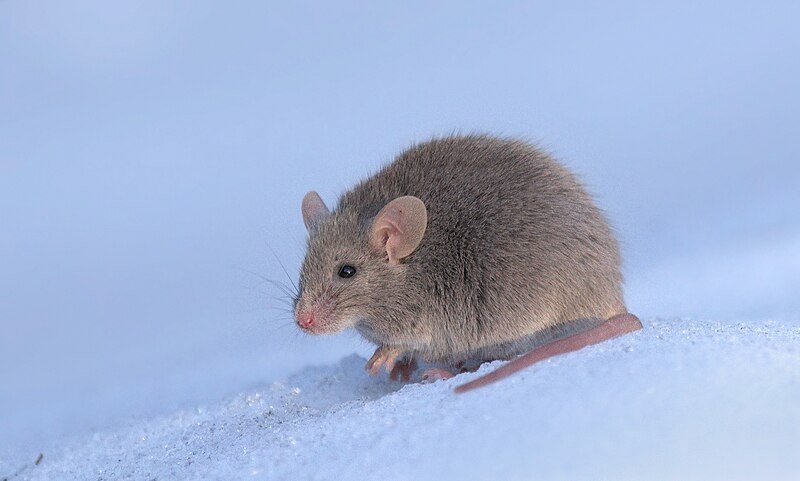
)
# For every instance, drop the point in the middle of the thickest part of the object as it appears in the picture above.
(464, 249)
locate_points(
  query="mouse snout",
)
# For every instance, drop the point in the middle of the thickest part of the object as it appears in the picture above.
(315, 319)
(305, 319)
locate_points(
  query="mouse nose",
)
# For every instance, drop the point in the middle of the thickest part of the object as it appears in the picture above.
(305, 319)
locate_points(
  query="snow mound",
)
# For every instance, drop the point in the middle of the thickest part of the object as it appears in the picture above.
(681, 399)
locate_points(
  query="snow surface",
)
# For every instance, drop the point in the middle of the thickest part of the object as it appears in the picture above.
(680, 399)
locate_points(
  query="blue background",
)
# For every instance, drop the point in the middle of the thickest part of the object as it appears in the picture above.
(154, 154)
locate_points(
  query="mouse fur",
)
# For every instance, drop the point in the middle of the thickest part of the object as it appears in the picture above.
(514, 253)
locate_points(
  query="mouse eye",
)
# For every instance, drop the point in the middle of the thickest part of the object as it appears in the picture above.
(347, 271)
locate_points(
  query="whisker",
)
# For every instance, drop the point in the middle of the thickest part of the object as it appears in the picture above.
(283, 268)
(284, 325)
(287, 302)
(281, 310)
(278, 284)
(283, 288)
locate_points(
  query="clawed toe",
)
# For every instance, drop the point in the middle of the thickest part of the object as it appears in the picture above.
(436, 374)
(402, 370)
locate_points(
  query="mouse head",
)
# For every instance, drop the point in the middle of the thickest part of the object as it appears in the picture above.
(354, 271)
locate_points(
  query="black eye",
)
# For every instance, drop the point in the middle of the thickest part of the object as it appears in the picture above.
(347, 271)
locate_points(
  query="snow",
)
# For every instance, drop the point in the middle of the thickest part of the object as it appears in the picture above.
(680, 399)
(153, 156)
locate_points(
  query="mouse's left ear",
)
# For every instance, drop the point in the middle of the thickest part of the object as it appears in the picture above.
(398, 228)
(314, 210)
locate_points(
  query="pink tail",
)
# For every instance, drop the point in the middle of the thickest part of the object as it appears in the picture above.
(609, 329)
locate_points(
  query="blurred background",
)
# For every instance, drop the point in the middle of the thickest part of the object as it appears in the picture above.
(153, 156)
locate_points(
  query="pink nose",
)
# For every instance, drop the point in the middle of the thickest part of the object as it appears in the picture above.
(305, 319)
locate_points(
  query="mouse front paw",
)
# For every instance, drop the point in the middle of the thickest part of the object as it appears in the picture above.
(384, 355)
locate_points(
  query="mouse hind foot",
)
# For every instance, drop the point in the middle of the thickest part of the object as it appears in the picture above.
(436, 374)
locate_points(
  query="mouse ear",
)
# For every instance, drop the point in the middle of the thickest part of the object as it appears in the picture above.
(398, 228)
(314, 210)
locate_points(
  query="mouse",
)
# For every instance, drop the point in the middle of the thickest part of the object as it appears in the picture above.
(462, 250)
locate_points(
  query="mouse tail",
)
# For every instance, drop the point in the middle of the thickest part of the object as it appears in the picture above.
(613, 327)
